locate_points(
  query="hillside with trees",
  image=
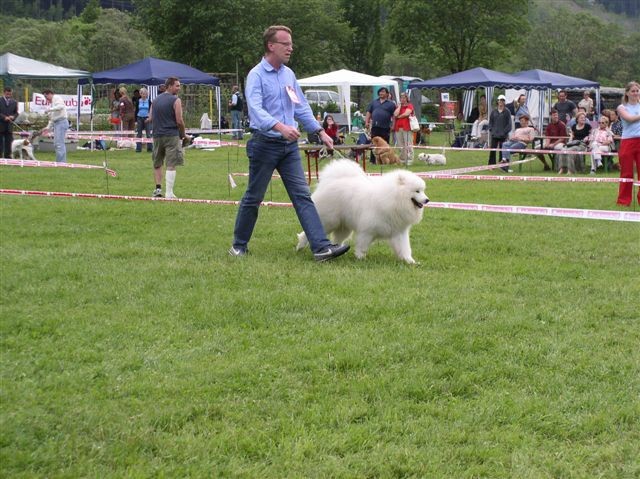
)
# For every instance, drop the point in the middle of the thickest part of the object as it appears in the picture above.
(585, 38)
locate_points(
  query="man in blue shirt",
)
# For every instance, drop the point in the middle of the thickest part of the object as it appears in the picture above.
(275, 101)
(379, 116)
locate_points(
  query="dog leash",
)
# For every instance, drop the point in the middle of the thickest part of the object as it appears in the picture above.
(32, 135)
(324, 153)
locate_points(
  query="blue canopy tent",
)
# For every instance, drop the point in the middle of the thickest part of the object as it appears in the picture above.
(152, 72)
(558, 80)
(482, 78)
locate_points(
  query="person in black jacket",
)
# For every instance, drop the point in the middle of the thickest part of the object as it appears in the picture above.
(499, 126)
(8, 114)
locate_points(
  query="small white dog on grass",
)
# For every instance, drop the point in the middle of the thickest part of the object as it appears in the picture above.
(20, 148)
(433, 158)
(373, 207)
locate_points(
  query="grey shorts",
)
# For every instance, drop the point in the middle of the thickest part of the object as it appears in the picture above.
(169, 149)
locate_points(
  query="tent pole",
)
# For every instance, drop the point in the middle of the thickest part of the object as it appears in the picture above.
(219, 113)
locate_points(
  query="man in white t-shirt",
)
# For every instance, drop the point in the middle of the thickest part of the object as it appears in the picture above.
(58, 122)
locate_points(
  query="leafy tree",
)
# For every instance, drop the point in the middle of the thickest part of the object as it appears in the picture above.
(581, 45)
(211, 39)
(91, 12)
(115, 42)
(33, 39)
(229, 36)
(458, 35)
(110, 42)
(365, 49)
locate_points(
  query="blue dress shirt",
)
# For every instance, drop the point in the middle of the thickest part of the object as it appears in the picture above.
(269, 103)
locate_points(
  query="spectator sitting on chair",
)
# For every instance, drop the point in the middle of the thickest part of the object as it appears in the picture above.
(580, 132)
(480, 125)
(425, 133)
(518, 141)
(459, 130)
(616, 123)
(616, 129)
(556, 133)
(332, 129)
(499, 126)
(601, 142)
(476, 112)
(573, 120)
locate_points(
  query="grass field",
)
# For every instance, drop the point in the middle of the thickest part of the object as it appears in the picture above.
(132, 345)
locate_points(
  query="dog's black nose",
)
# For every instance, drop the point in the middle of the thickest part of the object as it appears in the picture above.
(426, 201)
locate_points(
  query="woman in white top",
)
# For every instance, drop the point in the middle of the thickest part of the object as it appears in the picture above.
(629, 154)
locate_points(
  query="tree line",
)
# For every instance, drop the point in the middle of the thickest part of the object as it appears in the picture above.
(423, 38)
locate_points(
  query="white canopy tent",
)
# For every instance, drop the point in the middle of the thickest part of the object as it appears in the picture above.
(344, 80)
(15, 66)
(21, 67)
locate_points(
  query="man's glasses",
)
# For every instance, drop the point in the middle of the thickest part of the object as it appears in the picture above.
(286, 44)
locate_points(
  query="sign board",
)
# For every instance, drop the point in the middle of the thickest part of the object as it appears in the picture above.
(448, 110)
(39, 104)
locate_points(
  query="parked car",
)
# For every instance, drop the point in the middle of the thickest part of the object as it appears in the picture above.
(322, 97)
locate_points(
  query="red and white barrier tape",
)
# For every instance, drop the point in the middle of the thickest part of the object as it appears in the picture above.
(53, 164)
(110, 138)
(138, 140)
(470, 169)
(133, 132)
(551, 179)
(629, 216)
(525, 151)
(454, 174)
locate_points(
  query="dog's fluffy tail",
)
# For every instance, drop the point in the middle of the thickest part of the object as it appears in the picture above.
(340, 169)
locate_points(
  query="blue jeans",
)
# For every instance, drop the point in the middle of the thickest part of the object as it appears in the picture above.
(265, 156)
(141, 125)
(236, 123)
(512, 145)
(60, 128)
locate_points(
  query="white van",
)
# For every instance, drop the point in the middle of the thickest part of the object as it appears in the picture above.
(322, 97)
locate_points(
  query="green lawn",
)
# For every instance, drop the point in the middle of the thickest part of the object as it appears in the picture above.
(132, 345)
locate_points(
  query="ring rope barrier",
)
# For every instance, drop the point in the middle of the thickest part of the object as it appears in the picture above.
(627, 216)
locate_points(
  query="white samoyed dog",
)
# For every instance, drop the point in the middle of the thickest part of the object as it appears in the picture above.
(373, 207)
(433, 159)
